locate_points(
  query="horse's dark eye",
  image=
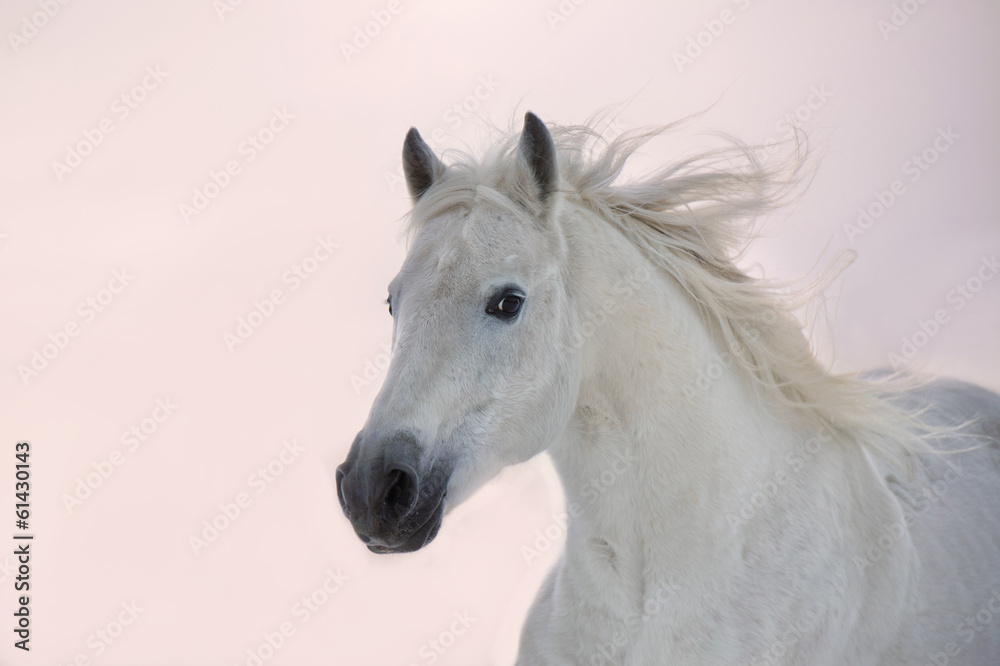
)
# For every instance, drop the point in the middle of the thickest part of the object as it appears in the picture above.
(388, 302)
(509, 305)
(505, 305)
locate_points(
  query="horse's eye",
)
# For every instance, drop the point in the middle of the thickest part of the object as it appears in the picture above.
(505, 305)
(388, 302)
(510, 305)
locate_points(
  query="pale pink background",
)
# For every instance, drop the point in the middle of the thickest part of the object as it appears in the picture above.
(330, 172)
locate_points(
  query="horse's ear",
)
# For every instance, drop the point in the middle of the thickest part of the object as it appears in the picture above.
(538, 151)
(420, 165)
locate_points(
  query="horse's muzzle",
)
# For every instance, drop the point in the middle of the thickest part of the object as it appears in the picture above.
(393, 504)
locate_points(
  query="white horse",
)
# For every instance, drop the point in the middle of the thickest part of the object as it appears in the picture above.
(754, 507)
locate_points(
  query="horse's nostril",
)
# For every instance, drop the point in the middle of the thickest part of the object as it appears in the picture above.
(401, 490)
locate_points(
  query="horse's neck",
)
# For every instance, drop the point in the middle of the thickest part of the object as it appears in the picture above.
(676, 473)
(667, 443)
(667, 433)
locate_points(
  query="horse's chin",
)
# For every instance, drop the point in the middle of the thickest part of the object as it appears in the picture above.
(423, 535)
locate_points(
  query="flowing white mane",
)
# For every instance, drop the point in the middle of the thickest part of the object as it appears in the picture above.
(693, 218)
